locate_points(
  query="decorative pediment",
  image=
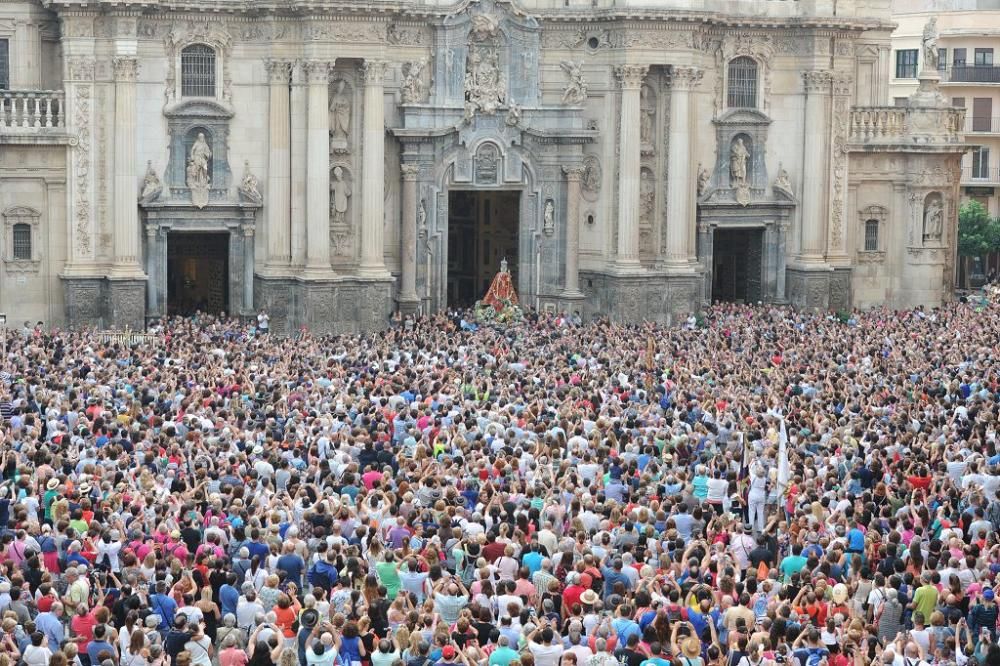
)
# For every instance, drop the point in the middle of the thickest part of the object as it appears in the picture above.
(199, 108)
(742, 117)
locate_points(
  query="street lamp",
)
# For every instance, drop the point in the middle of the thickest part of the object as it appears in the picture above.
(3, 327)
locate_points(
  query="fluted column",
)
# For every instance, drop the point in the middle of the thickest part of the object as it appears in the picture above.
(630, 79)
(408, 298)
(26, 72)
(571, 287)
(815, 165)
(373, 172)
(318, 169)
(680, 184)
(297, 187)
(126, 225)
(278, 200)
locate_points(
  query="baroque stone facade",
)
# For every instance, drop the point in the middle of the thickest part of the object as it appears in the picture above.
(658, 162)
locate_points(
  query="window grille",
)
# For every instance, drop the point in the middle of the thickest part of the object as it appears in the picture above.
(871, 236)
(742, 92)
(906, 64)
(198, 71)
(22, 241)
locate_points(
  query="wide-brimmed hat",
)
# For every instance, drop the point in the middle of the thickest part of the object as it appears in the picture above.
(52, 484)
(588, 598)
(691, 647)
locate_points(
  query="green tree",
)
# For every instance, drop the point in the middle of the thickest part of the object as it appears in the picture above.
(978, 233)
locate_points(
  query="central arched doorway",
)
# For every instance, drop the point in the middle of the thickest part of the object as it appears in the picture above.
(483, 230)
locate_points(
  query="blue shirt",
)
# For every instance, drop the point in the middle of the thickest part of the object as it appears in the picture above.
(49, 624)
(94, 648)
(230, 597)
(533, 561)
(165, 607)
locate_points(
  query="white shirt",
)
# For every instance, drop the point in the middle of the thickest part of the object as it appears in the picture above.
(546, 655)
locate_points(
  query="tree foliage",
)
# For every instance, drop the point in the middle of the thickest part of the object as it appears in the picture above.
(978, 233)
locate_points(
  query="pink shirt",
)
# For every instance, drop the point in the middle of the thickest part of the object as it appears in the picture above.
(233, 657)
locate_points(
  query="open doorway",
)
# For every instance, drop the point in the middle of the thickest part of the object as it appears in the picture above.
(197, 273)
(737, 265)
(482, 231)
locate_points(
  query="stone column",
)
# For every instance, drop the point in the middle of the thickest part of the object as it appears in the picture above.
(571, 287)
(630, 79)
(815, 165)
(278, 164)
(779, 289)
(318, 169)
(409, 302)
(126, 208)
(297, 105)
(373, 172)
(248, 235)
(680, 184)
(152, 257)
(26, 70)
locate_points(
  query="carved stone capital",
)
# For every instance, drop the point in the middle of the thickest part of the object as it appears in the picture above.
(374, 72)
(409, 171)
(573, 172)
(843, 82)
(152, 230)
(317, 71)
(278, 71)
(126, 69)
(817, 81)
(631, 76)
(686, 78)
(248, 230)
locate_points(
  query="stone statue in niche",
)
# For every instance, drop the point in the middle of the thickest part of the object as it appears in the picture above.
(575, 91)
(647, 116)
(549, 218)
(703, 177)
(422, 216)
(513, 118)
(250, 186)
(340, 117)
(933, 219)
(929, 41)
(782, 183)
(647, 198)
(198, 177)
(340, 195)
(738, 156)
(591, 179)
(413, 88)
(151, 185)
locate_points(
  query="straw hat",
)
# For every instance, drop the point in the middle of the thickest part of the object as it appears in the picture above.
(691, 647)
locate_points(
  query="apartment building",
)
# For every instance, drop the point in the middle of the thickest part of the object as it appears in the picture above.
(969, 66)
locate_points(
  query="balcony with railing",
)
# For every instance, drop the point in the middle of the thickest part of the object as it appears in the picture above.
(890, 125)
(972, 177)
(27, 116)
(970, 74)
(982, 125)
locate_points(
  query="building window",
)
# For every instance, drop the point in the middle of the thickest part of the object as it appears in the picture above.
(958, 102)
(198, 71)
(901, 101)
(982, 114)
(871, 236)
(906, 64)
(22, 242)
(984, 57)
(942, 59)
(742, 92)
(981, 163)
(4, 64)
(958, 57)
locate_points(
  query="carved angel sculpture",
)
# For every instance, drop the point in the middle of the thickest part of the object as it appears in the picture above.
(575, 91)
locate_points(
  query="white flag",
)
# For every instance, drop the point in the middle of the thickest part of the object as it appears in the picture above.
(783, 473)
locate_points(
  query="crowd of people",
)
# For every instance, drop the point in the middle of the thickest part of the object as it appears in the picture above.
(760, 486)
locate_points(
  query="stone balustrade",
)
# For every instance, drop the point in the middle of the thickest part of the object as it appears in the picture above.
(894, 124)
(28, 111)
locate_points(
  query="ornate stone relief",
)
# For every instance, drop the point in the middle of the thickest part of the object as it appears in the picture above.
(343, 31)
(80, 68)
(487, 164)
(405, 36)
(782, 185)
(81, 197)
(839, 156)
(575, 91)
(647, 118)
(413, 89)
(647, 199)
(590, 181)
(485, 82)
(704, 175)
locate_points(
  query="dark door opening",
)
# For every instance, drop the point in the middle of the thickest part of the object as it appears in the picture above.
(737, 265)
(482, 231)
(197, 273)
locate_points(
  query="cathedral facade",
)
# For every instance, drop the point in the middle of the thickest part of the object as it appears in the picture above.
(333, 162)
